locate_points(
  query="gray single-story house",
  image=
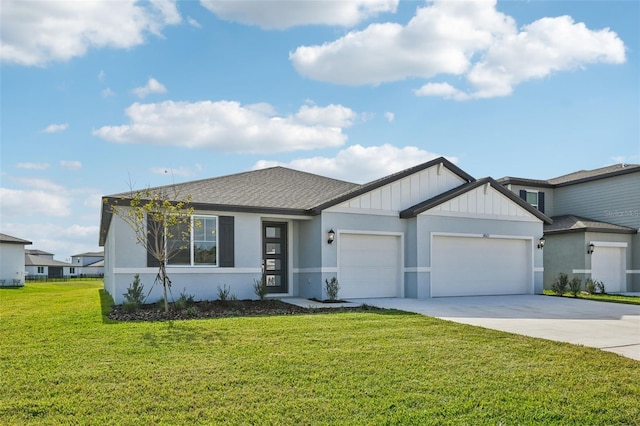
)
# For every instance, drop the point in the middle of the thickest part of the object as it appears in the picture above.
(12, 260)
(40, 264)
(429, 231)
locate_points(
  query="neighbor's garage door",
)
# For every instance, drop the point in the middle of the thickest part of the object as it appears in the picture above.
(474, 266)
(369, 265)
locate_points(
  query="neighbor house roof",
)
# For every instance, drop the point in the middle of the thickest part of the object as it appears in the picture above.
(4, 238)
(37, 252)
(33, 260)
(575, 177)
(90, 254)
(98, 264)
(455, 192)
(570, 223)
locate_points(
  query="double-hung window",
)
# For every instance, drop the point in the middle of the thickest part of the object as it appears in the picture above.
(195, 248)
(532, 198)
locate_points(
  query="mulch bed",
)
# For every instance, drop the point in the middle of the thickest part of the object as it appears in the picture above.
(217, 309)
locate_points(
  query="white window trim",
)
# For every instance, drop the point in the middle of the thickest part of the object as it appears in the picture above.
(192, 264)
(537, 192)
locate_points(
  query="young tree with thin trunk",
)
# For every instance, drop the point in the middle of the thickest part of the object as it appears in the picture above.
(162, 225)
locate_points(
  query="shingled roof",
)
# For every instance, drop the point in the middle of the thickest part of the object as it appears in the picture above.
(4, 238)
(570, 223)
(575, 177)
(272, 188)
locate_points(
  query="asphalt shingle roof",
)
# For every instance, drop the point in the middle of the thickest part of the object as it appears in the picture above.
(272, 188)
(13, 240)
(575, 177)
(33, 260)
(571, 223)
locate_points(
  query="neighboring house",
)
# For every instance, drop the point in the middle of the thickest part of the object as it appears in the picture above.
(12, 260)
(596, 219)
(431, 230)
(41, 265)
(90, 264)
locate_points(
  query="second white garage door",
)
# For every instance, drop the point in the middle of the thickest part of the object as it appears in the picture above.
(476, 266)
(369, 266)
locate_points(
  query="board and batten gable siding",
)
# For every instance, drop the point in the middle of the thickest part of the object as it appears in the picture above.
(614, 200)
(403, 193)
(483, 201)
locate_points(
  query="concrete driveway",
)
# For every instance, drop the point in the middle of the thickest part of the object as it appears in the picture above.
(611, 327)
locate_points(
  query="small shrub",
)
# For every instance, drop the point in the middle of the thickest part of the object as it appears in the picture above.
(224, 293)
(192, 311)
(560, 284)
(134, 297)
(574, 286)
(590, 286)
(332, 287)
(184, 301)
(260, 288)
(600, 287)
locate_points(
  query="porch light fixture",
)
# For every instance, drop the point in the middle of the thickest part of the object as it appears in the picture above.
(541, 242)
(590, 248)
(331, 236)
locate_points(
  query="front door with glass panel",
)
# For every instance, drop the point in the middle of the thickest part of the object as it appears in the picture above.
(274, 256)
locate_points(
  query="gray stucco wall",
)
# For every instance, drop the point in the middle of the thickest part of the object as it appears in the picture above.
(564, 253)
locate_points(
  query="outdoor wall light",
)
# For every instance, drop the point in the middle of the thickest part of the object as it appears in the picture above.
(331, 236)
(541, 242)
(590, 248)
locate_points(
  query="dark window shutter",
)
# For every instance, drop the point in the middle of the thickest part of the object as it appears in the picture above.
(226, 241)
(541, 201)
(151, 261)
(523, 194)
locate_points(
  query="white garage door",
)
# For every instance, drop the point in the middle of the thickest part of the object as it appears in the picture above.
(608, 264)
(369, 266)
(474, 266)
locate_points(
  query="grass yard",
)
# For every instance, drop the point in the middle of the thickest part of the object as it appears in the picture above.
(612, 298)
(63, 363)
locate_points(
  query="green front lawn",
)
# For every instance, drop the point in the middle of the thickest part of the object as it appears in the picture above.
(613, 298)
(61, 362)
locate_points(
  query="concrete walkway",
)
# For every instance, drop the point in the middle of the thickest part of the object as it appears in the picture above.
(611, 327)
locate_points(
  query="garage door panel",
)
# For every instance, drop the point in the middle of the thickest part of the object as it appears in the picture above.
(369, 265)
(469, 266)
(608, 264)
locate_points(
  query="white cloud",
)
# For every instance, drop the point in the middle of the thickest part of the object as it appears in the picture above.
(33, 202)
(389, 116)
(360, 164)
(107, 93)
(102, 76)
(55, 128)
(465, 39)
(179, 171)
(230, 127)
(193, 22)
(286, 14)
(33, 166)
(70, 165)
(39, 32)
(152, 86)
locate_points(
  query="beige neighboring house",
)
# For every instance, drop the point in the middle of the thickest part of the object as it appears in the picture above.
(12, 260)
(41, 265)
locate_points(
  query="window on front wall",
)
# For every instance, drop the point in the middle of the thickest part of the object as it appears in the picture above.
(41, 269)
(532, 198)
(535, 198)
(201, 248)
(72, 270)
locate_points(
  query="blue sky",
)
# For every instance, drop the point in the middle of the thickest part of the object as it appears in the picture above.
(97, 96)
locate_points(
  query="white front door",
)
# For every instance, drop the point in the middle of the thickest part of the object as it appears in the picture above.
(608, 264)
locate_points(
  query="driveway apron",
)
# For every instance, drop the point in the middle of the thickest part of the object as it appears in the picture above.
(612, 327)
